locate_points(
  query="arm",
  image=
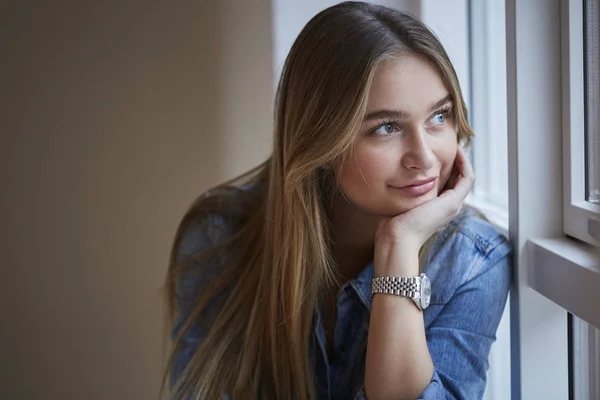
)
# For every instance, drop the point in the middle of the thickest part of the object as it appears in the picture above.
(191, 282)
(398, 364)
(458, 340)
(194, 240)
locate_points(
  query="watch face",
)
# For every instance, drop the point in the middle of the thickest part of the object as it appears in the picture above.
(425, 291)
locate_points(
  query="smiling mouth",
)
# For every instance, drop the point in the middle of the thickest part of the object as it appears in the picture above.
(418, 188)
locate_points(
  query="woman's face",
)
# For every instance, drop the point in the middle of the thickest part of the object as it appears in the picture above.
(407, 144)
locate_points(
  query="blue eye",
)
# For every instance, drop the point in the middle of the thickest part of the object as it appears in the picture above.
(441, 117)
(438, 119)
(385, 129)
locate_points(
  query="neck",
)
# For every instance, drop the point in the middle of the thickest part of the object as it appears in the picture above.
(353, 237)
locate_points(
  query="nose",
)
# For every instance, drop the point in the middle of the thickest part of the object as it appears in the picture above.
(417, 154)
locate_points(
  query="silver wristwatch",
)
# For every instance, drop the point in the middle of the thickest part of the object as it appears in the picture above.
(417, 288)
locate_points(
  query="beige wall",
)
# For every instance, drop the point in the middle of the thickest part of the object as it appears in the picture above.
(114, 116)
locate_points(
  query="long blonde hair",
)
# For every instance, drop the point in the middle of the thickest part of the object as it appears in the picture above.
(277, 261)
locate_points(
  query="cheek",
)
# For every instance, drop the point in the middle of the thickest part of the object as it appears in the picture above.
(363, 169)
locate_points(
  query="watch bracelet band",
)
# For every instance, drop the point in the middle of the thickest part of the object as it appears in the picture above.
(399, 286)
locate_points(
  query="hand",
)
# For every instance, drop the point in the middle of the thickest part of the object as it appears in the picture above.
(403, 235)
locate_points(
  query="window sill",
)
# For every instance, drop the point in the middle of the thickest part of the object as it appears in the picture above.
(555, 264)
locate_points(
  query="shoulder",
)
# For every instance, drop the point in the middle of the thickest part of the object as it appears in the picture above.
(468, 248)
(206, 238)
(198, 252)
(199, 233)
(211, 220)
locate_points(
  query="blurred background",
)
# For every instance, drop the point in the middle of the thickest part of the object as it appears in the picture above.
(115, 116)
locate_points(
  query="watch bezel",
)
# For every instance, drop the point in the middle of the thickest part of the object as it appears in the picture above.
(423, 301)
(426, 283)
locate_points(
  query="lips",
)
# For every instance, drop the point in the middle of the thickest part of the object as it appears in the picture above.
(418, 188)
(418, 183)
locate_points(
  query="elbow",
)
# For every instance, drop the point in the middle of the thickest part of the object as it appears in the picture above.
(410, 387)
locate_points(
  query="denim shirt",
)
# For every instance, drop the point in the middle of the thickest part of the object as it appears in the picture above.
(470, 270)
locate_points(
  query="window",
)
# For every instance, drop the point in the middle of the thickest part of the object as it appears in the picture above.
(586, 361)
(551, 220)
(592, 97)
(488, 108)
(581, 114)
(583, 198)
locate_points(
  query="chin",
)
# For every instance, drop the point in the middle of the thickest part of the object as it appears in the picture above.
(405, 205)
(393, 205)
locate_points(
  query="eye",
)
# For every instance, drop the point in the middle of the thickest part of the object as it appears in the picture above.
(441, 116)
(438, 119)
(385, 129)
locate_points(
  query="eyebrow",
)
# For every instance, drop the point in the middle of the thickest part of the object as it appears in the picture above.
(399, 114)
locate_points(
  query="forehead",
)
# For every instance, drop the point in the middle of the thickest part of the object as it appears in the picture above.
(409, 84)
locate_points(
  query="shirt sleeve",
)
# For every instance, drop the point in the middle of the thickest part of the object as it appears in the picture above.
(460, 337)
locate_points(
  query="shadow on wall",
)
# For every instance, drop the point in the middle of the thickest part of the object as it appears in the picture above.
(115, 116)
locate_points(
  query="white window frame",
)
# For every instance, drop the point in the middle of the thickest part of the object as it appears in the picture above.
(563, 262)
(580, 216)
(542, 99)
(586, 361)
(534, 146)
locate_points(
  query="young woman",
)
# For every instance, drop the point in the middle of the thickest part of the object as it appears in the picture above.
(345, 266)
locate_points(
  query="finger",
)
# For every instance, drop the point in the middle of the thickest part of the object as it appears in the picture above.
(454, 175)
(462, 189)
(464, 164)
(460, 168)
(467, 176)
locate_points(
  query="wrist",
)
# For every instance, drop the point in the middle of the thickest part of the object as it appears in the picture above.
(396, 261)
